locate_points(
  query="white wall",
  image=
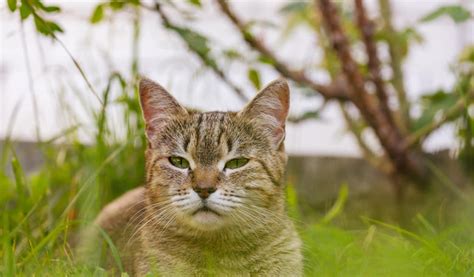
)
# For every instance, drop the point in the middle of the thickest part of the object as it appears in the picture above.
(163, 57)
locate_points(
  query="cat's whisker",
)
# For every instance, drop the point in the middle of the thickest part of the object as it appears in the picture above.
(147, 219)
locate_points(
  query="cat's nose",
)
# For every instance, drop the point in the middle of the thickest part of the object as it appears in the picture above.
(204, 190)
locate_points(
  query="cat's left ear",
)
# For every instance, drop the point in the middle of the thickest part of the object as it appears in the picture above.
(269, 109)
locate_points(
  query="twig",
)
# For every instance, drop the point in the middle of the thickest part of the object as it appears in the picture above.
(449, 115)
(395, 62)
(218, 71)
(369, 155)
(314, 114)
(367, 29)
(336, 90)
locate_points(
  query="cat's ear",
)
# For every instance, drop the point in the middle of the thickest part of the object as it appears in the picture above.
(158, 107)
(269, 109)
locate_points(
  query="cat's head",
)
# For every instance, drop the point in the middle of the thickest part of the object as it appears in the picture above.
(213, 169)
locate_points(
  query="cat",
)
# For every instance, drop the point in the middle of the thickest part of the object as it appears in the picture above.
(214, 198)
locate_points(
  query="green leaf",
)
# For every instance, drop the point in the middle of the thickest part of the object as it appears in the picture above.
(266, 60)
(433, 104)
(47, 28)
(305, 116)
(254, 77)
(41, 26)
(196, 3)
(117, 5)
(51, 9)
(195, 41)
(98, 14)
(12, 5)
(25, 11)
(456, 12)
(232, 54)
(467, 54)
(40, 5)
(54, 27)
(297, 6)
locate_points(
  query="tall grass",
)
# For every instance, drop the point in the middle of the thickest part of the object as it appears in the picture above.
(42, 213)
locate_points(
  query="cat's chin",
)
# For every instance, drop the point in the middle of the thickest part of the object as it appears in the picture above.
(206, 220)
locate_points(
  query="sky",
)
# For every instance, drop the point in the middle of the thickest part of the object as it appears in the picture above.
(55, 83)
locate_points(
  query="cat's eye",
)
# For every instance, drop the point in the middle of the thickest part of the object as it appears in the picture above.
(236, 163)
(179, 162)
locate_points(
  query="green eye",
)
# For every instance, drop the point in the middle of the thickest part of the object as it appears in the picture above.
(236, 163)
(179, 162)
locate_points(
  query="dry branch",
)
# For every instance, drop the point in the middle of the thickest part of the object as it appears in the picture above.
(367, 28)
(336, 90)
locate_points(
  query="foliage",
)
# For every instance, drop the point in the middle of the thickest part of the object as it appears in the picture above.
(36, 9)
(457, 13)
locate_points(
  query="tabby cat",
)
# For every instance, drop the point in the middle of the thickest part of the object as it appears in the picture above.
(214, 199)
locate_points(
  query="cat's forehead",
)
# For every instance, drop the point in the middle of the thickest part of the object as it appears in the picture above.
(210, 136)
(205, 136)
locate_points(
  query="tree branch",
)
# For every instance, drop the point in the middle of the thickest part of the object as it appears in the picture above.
(367, 29)
(378, 162)
(449, 115)
(395, 62)
(389, 136)
(218, 71)
(336, 90)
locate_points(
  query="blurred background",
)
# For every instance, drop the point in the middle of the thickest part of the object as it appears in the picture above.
(381, 122)
(108, 46)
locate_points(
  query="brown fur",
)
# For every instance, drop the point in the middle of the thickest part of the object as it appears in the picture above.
(160, 227)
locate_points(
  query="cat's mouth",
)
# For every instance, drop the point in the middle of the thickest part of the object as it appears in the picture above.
(205, 209)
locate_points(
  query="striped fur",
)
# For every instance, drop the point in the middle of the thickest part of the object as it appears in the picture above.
(161, 228)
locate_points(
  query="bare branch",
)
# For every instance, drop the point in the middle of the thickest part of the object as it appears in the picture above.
(335, 90)
(367, 29)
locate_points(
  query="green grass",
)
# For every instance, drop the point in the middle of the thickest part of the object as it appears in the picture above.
(43, 212)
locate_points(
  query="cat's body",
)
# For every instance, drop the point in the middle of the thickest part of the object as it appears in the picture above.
(214, 199)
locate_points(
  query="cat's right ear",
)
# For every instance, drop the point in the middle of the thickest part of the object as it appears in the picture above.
(158, 107)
